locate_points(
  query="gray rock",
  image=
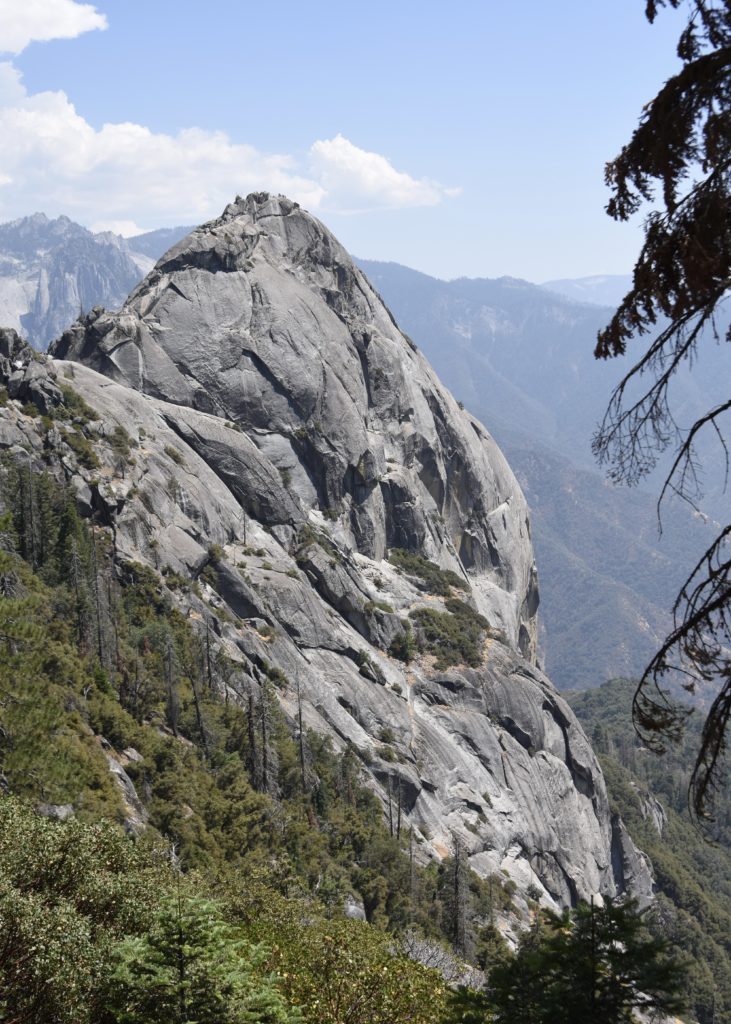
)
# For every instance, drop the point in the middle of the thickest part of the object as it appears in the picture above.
(653, 811)
(60, 812)
(347, 445)
(632, 868)
(135, 819)
(353, 908)
(262, 319)
(12, 346)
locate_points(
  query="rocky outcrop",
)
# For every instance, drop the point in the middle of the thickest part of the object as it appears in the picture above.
(261, 319)
(287, 436)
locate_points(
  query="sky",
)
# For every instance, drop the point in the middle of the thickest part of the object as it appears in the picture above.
(461, 139)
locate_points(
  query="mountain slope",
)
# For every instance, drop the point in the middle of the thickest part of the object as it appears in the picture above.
(607, 579)
(290, 436)
(521, 360)
(693, 905)
(154, 244)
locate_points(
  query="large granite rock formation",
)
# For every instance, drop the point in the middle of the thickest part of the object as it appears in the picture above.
(289, 436)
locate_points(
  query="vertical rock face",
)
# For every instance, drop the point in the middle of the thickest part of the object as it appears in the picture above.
(285, 419)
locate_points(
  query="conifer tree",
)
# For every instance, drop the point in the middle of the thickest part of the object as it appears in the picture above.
(595, 963)
(679, 160)
(193, 967)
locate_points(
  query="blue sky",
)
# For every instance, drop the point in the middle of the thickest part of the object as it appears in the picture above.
(461, 139)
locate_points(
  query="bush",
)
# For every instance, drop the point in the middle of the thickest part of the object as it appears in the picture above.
(82, 448)
(120, 442)
(174, 454)
(433, 579)
(403, 645)
(74, 406)
(453, 636)
(373, 606)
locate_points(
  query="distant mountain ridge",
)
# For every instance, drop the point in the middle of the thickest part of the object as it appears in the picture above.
(154, 244)
(53, 269)
(598, 290)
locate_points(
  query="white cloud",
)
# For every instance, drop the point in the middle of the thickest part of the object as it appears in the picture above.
(355, 179)
(27, 21)
(125, 228)
(125, 174)
(59, 163)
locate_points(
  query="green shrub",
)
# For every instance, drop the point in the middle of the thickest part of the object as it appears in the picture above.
(174, 454)
(215, 553)
(403, 645)
(82, 448)
(120, 442)
(453, 636)
(74, 406)
(433, 579)
(381, 606)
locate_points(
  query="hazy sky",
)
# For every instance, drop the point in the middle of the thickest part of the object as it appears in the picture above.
(462, 138)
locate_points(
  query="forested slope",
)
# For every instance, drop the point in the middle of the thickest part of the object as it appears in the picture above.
(692, 868)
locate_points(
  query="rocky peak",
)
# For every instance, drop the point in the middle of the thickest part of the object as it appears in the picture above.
(289, 437)
(261, 318)
(27, 236)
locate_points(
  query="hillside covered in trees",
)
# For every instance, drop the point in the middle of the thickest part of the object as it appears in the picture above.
(692, 868)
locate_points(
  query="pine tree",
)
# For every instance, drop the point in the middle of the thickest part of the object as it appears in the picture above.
(193, 967)
(595, 963)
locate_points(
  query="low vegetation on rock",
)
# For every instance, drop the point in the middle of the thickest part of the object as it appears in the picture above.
(429, 576)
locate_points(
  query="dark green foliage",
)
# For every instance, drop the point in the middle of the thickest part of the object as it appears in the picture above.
(453, 636)
(592, 964)
(193, 967)
(67, 894)
(96, 929)
(341, 971)
(431, 578)
(680, 149)
(693, 906)
(403, 645)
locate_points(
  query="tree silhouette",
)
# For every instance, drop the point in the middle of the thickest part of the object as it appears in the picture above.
(681, 279)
